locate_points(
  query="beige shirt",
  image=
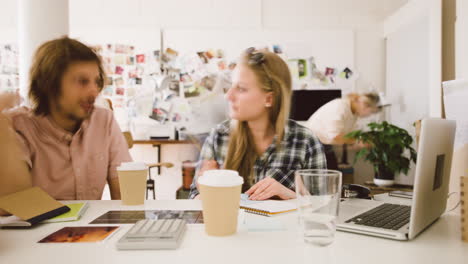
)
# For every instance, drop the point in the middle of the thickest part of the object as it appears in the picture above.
(71, 166)
(332, 119)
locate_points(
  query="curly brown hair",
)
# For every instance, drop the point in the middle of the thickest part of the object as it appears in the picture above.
(50, 62)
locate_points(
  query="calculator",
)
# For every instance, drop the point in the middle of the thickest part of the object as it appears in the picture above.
(153, 234)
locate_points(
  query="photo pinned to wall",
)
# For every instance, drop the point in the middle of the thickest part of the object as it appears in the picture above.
(208, 82)
(119, 82)
(346, 73)
(120, 91)
(277, 49)
(301, 68)
(330, 74)
(123, 49)
(140, 58)
(161, 110)
(306, 75)
(174, 87)
(130, 60)
(119, 70)
(157, 55)
(119, 59)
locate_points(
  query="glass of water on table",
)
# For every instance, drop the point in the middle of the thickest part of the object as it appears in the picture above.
(318, 195)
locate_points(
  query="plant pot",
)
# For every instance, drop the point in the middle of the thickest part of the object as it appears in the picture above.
(383, 183)
(384, 178)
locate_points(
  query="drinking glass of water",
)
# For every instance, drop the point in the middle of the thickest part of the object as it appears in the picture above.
(318, 196)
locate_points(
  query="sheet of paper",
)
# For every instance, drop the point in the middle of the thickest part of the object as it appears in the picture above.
(455, 102)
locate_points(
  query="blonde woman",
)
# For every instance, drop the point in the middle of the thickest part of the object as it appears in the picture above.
(259, 141)
(334, 120)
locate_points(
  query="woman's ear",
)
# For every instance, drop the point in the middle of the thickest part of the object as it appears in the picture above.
(269, 99)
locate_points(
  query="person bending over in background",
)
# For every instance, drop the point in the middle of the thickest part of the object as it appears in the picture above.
(335, 119)
(259, 141)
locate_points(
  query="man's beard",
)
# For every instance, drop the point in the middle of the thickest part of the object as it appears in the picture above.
(74, 117)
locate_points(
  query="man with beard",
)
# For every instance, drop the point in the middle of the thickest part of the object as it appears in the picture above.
(70, 147)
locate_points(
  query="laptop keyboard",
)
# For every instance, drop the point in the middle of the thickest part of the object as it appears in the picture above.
(388, 216)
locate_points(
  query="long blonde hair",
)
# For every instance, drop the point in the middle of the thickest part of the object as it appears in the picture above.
(272, 75)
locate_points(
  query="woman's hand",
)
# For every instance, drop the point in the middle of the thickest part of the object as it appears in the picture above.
(207, 165)
(360, 145)
(268, 188)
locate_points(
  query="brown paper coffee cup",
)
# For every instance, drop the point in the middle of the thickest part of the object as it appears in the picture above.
(220, 209)
(132, 186)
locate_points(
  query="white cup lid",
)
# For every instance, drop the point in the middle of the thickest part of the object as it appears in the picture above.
(131, 166)
(221, 178)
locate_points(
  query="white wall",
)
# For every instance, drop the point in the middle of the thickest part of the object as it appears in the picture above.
(461, 40)
(414, 65)
(8, 31)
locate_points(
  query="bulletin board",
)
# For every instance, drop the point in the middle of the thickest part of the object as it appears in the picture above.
(329, 47)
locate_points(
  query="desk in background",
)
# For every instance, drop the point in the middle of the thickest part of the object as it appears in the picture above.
(158, 144)
(440, 243)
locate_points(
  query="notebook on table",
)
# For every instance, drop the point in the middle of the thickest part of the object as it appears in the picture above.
(29, 207)
(75, 213)
(266, 208)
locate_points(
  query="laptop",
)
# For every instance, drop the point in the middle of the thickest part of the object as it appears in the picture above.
(405, 221)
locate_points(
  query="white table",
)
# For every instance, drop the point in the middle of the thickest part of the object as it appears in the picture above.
(441, 243)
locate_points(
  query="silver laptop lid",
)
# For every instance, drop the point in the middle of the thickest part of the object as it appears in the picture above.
(432, 173)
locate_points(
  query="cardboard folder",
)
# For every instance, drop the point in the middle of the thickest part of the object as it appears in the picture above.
(32, 205)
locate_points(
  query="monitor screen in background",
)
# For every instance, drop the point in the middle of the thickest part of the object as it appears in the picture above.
(305, 102)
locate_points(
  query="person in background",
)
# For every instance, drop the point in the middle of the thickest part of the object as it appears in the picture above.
(334, 120)
(259, 141)
(70, 147)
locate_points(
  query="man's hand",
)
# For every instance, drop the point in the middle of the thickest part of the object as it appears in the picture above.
(9, 100)
(268, 188)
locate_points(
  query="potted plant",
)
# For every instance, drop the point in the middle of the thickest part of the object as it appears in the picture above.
(390, 150)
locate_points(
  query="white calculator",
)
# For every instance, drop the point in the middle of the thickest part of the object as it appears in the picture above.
(153, 234)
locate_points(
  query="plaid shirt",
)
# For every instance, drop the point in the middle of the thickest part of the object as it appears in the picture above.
(300, 149)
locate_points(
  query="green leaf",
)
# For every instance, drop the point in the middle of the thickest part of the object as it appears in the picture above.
(391, 147)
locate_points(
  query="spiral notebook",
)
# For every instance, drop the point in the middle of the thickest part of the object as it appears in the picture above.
(268, 207)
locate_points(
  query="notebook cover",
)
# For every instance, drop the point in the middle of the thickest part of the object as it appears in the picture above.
(76, 211)
(33, 205)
